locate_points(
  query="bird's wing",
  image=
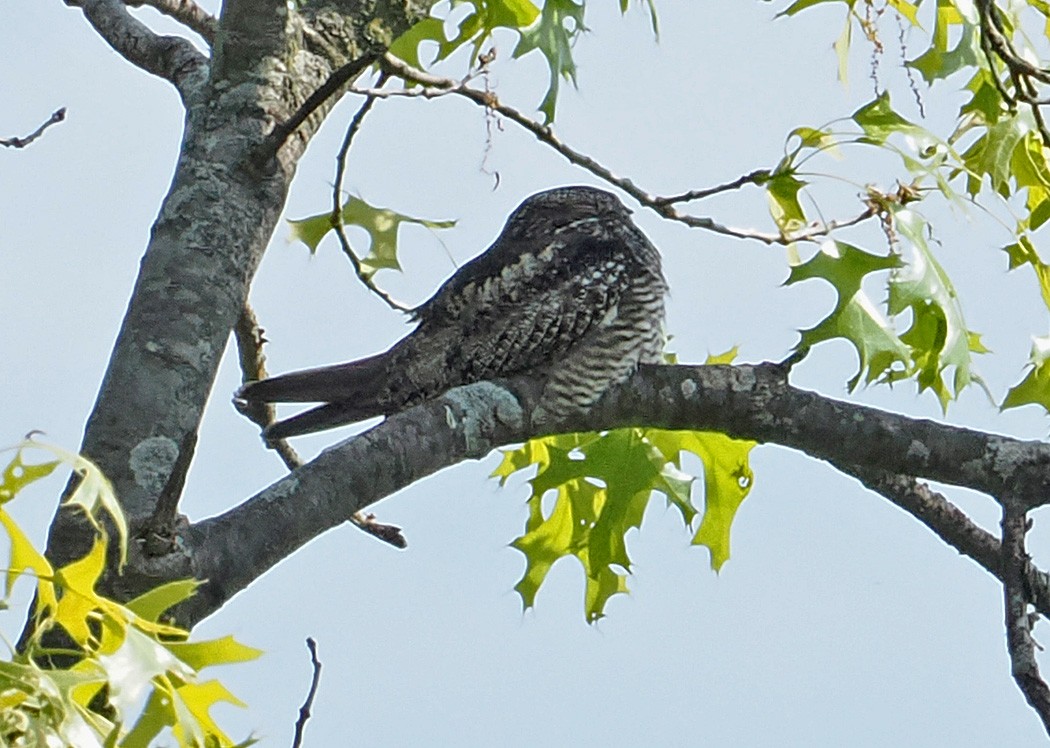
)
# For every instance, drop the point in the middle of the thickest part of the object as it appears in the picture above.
(521, 319)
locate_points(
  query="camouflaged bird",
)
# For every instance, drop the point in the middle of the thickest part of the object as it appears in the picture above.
(571, 293)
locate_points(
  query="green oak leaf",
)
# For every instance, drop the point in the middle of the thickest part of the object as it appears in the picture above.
(601, 485)
(986, 103)
(406, 46)
(937, 62)
(93, 490)
(938, 337)
(1034, 389)
(907, 10)
(560, 23)
(800, 5)
(381, 224)
(879, 121)
(992, 154)
(474, 29)
(477, 27)
(1023, 252)
(783, 189)
(1028, 163)
(881, 353)
(841, 46)
(548, 539)
(727, 481)
(722, 358)
(201, 654)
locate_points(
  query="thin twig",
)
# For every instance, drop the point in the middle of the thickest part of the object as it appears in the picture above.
(758, 176)
(304, 710)
(1019, 642)
(250, 340)
(902, 45)
(16, 142)
(433, 86)
(272, 143)
(186, 12)
(337, 200)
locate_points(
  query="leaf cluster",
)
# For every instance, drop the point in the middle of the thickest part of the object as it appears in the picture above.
(996, 152)
(597, 487)
(551, 31)
(132, 676)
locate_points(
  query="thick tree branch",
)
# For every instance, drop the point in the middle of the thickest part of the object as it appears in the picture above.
(1019, 642)
(213, 227)
(953, 526)
(250, 340)
(172, 58)
(186, 12)
(250, 35)
(752, 402)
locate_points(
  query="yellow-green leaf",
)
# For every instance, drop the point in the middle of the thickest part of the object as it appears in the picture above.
(150, 605)
(25, 557)
(723, 358)
(78, 600)
(381, 225)
(1034, 389)
(18, 474)
(224, 651)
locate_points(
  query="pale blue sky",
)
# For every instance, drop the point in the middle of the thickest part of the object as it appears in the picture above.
(838, 620)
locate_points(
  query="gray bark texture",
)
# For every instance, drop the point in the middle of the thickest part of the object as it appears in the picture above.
(251, 109)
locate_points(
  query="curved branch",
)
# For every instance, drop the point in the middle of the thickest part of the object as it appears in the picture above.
(953, 526)
(332, 87)
(752, 402)
(186, 12)
(172, 58)
(433, 86)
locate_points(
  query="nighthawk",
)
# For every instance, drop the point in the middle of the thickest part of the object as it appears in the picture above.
(571, 293)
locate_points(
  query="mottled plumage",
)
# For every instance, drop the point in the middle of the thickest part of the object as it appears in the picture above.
(571, 292)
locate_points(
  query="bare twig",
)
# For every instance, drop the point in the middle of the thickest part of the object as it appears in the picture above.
(17, 142)
(250, 341)
(758, 176)
(337, 201)
(432, 86)
(1019, 640)
(902, 45)
(304, 710)
(268, 148)
(186, 12)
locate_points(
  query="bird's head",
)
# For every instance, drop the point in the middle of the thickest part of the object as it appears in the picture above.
(561, 206)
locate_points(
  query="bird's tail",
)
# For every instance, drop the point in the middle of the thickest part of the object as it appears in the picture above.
(350, 390)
